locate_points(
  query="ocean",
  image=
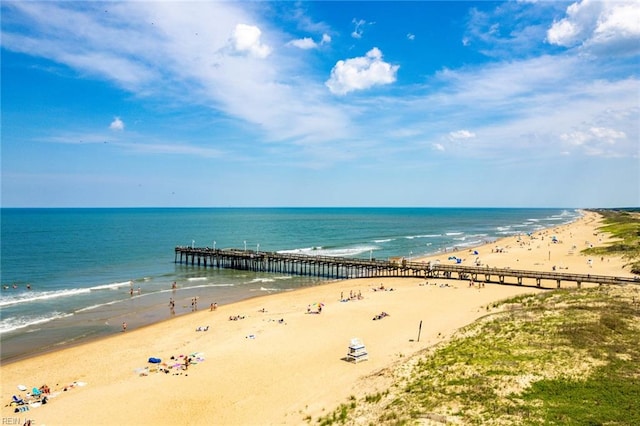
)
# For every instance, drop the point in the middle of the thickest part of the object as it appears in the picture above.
(67, 274)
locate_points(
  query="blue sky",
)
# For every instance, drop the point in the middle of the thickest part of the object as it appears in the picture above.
(516, 104)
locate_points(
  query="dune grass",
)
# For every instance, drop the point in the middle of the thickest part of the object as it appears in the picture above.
(565, 357)
(624, 225)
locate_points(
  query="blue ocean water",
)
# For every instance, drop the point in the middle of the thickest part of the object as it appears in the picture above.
(81, 264)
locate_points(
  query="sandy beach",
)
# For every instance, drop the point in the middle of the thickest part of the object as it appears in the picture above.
(277, 363)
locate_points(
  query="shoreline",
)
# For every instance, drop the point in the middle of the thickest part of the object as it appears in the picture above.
(99, 336)
(505, 241)
(288, 370)
(92, 325)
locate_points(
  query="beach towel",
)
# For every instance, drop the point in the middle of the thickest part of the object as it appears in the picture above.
(153, 360)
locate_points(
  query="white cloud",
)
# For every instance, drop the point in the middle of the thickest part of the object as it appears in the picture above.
(358, 30)
(438, 146)
(516, 107)
(361, 73)
(411, 36)
(461, 134)
(599, 26)
(304, 43)
(173, 53)
(519, 109)
(117, 124)
(246, 38)
(607, 135)
(575, 138)
(563, 33)
(593, 140)
(308, 43)
(510, 29)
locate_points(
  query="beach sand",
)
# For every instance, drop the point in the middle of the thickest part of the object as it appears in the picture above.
(280, 364)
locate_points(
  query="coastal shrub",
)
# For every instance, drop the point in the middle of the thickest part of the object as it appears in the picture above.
(373, 399)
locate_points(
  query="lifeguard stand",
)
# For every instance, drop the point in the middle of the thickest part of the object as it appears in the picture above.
(357, 351)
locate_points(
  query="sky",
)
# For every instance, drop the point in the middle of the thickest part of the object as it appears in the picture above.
(328, 103)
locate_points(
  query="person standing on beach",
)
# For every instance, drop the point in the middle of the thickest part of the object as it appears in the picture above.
(124, 327)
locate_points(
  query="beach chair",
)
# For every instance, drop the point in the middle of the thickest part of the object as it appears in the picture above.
(35, 393)
(16, 400)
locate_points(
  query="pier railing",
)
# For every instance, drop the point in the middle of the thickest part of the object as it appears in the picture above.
(345, 268)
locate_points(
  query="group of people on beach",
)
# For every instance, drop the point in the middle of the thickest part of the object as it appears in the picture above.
(352, 296)
(131, 292)
(236, 317)
(315, 309)
(380, 316)
(36, 395)
(381, 288)
(472, 284)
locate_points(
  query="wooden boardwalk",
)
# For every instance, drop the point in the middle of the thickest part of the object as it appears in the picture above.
(345, 268)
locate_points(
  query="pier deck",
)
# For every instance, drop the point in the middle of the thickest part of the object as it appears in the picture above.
(345, 268)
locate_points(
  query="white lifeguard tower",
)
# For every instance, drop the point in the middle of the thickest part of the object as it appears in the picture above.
(357, 351)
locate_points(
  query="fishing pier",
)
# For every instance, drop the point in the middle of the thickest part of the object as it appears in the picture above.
(346, 268)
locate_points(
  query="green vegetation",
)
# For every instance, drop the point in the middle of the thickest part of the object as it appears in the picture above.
(624, 225)
(565, 357)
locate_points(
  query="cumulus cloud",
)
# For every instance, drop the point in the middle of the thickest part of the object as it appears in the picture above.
(461, 134)
(599, 26)
(117, 124)
(308, 43)
(246, 38)
(411, 36)
(361, 73)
